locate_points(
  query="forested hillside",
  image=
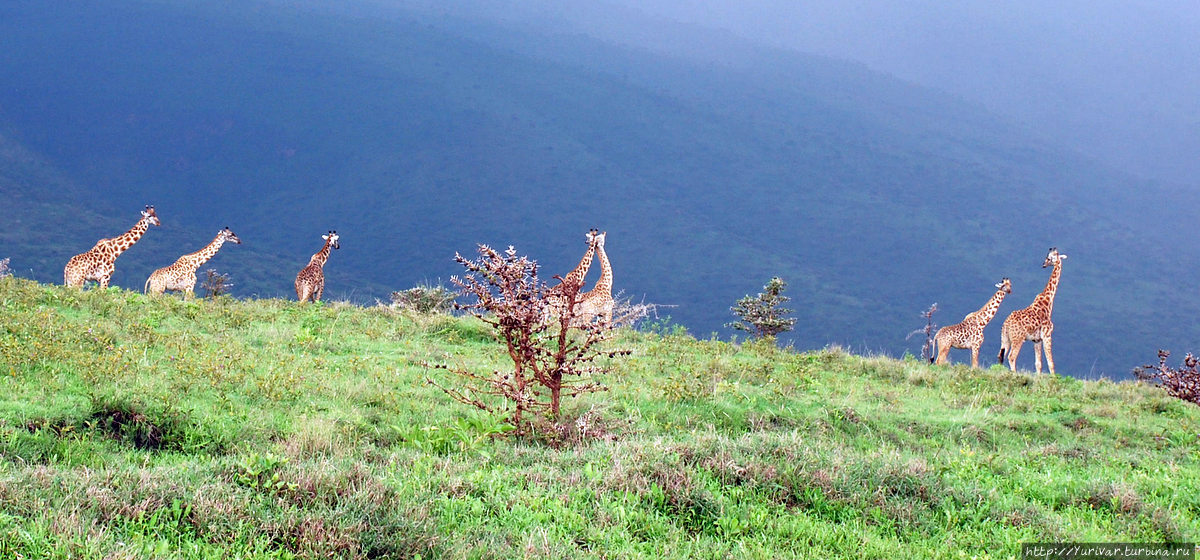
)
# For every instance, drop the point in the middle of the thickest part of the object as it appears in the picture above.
(416, 135)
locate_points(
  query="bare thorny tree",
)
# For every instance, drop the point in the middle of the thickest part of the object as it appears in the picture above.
(215, 284)
(550, 358)
(1181, 383)
(929, 331)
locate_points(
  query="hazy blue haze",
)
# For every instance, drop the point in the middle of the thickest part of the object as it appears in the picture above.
(1117, 80)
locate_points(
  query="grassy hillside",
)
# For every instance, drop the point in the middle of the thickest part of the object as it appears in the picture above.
(137, 427)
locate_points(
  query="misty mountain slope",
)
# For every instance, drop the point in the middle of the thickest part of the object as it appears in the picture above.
(416, 137)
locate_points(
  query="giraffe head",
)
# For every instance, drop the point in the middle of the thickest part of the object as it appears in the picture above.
(150, 215)
(1053, 258)
(598, 238)
(590, 236)
(1005, 285)
(228, 235)
(332, 238)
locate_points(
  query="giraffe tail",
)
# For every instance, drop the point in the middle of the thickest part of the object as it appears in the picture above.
(147, 285)
(933, 350)
(1003, 349)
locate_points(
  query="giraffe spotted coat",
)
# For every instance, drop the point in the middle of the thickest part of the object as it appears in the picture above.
(1033, 323)
(310, 282)
(969, 332)
(99, 262)
(181, 276)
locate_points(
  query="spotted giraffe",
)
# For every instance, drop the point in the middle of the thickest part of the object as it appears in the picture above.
(310, 283)
(1033, 323)
(181, 276)
(969, 333)
(598, 301)
(556, 297)
(99, 262)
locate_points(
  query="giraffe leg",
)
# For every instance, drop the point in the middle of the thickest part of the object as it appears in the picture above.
(1049, 357)
(943, 352)
(1014, 350)
(104, 282)
(975, 357)
(1005, 343)
(317, 293)
(1037, 356)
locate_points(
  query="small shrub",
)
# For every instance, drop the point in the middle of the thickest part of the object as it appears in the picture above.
(1181, 383)
(763, 315)
(424, 298)
(262, 473)
(551, 358)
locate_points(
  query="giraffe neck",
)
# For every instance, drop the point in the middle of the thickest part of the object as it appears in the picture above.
(321, 256)
(575, 277)
(127, 239)
(604, 284)
(203, 255)
(1046, 298)
(988, 311)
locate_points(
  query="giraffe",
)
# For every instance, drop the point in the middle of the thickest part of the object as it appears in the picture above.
(1033, 323)
(598, 301)
(98, 263)
(310, 283)
(181, 276)
(969, 333)
(556, 296)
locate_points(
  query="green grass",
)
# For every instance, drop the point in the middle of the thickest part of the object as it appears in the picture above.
(149, 427)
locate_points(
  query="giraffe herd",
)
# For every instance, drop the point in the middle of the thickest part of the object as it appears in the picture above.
(1032, 323)
(99, 263)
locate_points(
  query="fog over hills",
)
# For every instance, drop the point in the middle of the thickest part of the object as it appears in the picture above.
(417, 131)
(1116, 80)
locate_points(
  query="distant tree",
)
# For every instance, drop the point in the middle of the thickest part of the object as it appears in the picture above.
(930, 330)
(425, 298)
(550, 359)
(763, 315)
(4, 270)
(215, 284)
(1182, 383)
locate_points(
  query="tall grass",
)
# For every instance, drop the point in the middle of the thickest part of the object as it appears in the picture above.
(137, 426)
